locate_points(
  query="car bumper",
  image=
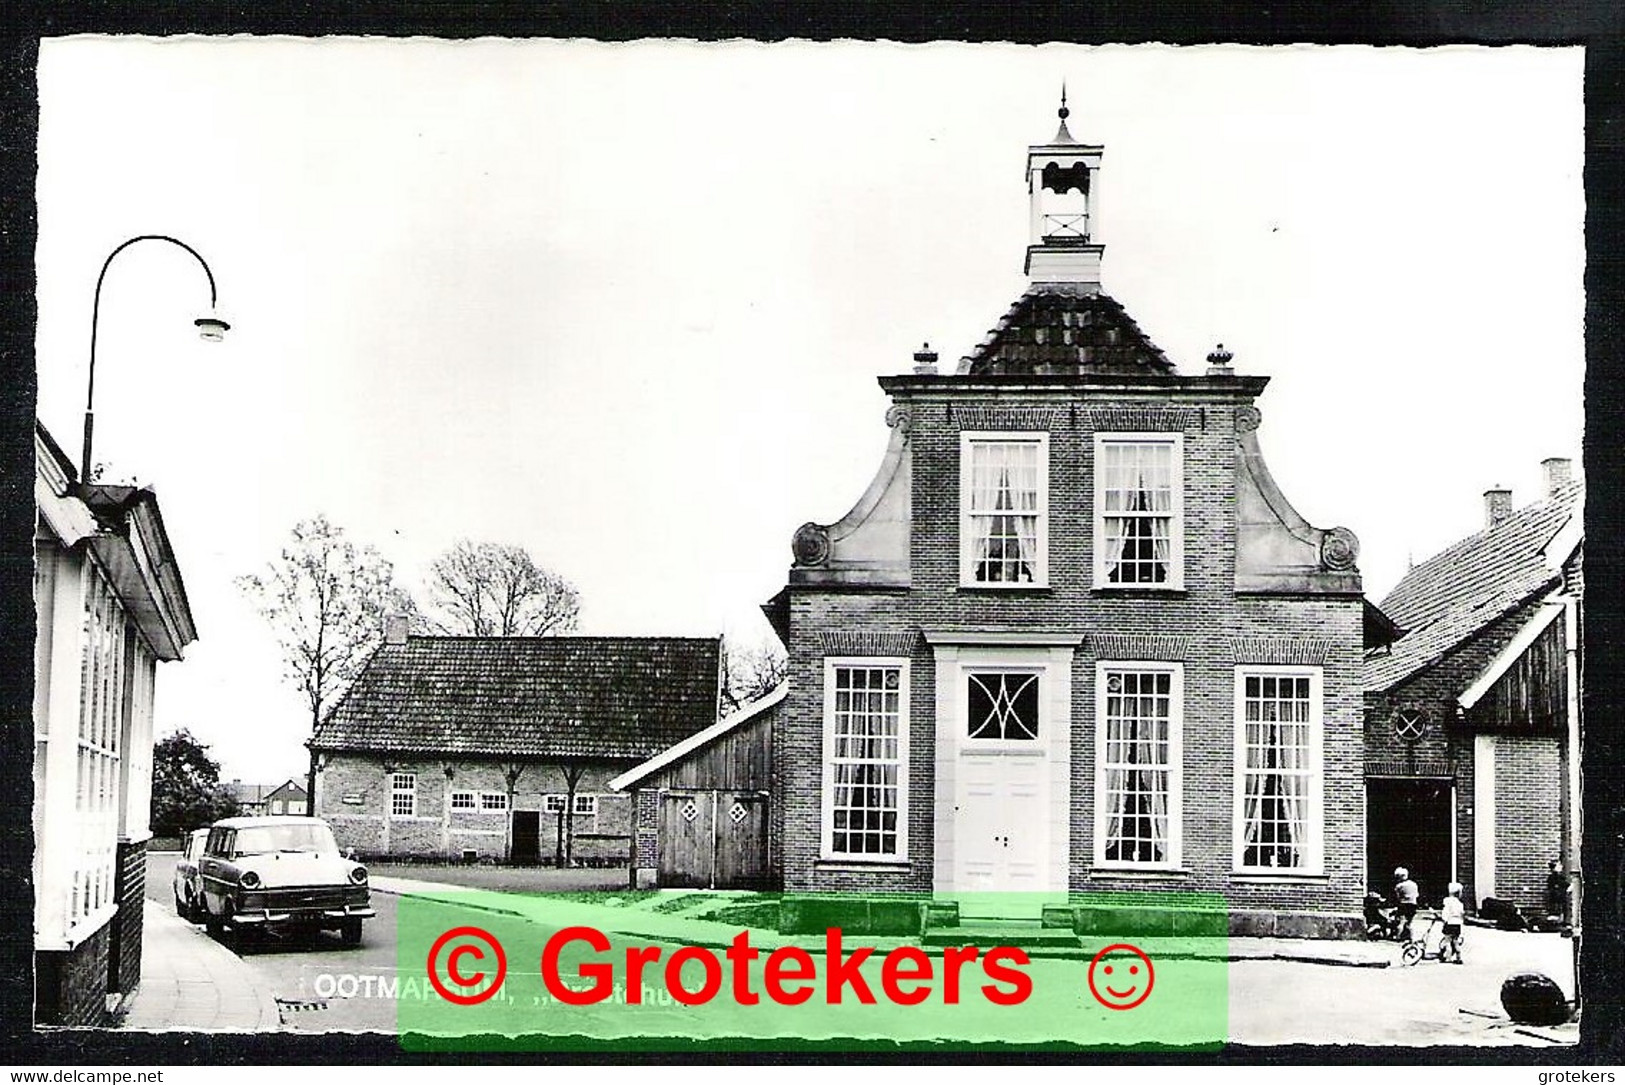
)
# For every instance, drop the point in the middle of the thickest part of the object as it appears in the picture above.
(266, 916)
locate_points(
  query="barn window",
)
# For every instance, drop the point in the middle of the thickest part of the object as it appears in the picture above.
(1278, 769)
(493, 800)
(462, 800)
(1139, 525)
(865, 758)
(403, 794)
(1137, 759)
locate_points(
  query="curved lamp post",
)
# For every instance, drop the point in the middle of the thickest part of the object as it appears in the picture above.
(209, 327)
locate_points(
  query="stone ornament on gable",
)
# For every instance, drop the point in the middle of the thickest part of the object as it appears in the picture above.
(899, 418)
(810, 546)
(1339, 550)
(1410, 723)
(1248, 418)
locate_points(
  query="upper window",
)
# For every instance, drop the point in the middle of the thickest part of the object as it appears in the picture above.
(462, 800)
(865, 759)
(403, 794)
(1139, 525)
(1004, 509)
(493, 800)
(1278, 769)
(1137, 764)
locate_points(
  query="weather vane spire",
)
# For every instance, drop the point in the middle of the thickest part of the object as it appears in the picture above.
(1062, 135)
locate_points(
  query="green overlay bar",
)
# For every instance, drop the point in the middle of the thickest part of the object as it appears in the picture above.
(685, 971)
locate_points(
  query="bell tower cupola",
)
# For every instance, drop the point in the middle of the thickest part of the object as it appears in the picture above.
(1063, 178)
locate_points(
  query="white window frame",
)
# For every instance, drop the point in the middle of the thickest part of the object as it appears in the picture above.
(827, 797)
(586, 805)
(967, 537)
(1175, 767)
(1314, 846)
(553, 804)
(473, 802)
(494, 802)
(1176, 525)
(396, 790)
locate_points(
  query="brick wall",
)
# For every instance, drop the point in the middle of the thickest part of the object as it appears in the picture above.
(129, 889)
(1213, 628)
(70, 986)
(437, 831)
(1528, 833)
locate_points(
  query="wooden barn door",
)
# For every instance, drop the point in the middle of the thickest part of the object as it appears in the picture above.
(741, 839)
(713, 839)
(687, 819)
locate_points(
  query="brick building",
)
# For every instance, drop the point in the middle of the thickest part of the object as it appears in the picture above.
(1073, 638)
(288, 797)
(1472, 716)
(502, 747)
(110, 605)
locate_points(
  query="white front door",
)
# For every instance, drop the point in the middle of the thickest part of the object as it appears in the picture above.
(1001, 825)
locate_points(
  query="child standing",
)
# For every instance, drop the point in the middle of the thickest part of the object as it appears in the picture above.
(1452, 912)
(1406, 896)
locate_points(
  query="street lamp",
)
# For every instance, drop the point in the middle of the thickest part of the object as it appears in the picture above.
(209, 327)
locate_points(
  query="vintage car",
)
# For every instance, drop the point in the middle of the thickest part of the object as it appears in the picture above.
(186, 884)
(281, 872)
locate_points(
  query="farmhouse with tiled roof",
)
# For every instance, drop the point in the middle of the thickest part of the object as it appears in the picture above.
(1472, 716)
(502, 747)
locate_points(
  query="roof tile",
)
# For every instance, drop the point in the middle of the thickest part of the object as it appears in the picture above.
(585, 697)
(1454, 594)
(1066, 330)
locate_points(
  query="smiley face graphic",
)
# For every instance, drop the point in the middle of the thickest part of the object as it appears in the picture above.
(1123, 981)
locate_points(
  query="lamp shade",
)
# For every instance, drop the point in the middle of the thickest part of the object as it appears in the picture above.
(212, 328)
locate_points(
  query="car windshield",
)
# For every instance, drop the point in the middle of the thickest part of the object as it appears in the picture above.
(262, 839)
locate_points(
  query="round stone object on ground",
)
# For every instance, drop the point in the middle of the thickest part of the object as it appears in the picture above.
(1530, 998)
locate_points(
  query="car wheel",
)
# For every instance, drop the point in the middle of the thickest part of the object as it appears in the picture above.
(350, 932)
(181, 908)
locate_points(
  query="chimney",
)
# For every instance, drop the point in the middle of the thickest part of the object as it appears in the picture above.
(1558, 472)
(1497, 506)
(395, 628)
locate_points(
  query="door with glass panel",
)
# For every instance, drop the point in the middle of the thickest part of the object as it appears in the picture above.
(1001, 816)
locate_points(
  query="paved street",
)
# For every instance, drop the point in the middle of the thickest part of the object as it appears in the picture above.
(319, 985)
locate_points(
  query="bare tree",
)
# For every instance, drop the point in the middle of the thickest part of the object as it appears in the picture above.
(749, 674)
(326, 599)
(493, 590)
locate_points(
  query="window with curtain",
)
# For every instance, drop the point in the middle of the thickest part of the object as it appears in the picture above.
(1138, 503)
(864, 772)
(1279, 774)
(1138, 753)
(1004, 483)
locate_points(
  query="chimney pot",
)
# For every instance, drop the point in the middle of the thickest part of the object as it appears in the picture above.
(395, 629)
(1559, 473)
(1497, 506)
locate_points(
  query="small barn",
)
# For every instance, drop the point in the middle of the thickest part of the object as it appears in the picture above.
(704, 806)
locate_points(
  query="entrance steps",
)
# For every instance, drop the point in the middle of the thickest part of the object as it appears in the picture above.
(1028, 934)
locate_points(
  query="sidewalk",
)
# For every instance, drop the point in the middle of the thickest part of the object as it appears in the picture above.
(191, 982)
(643, 921)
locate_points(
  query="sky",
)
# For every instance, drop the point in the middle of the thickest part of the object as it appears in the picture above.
(624, 304)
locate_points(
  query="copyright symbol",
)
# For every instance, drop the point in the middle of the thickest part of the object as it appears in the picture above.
(475, 982)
